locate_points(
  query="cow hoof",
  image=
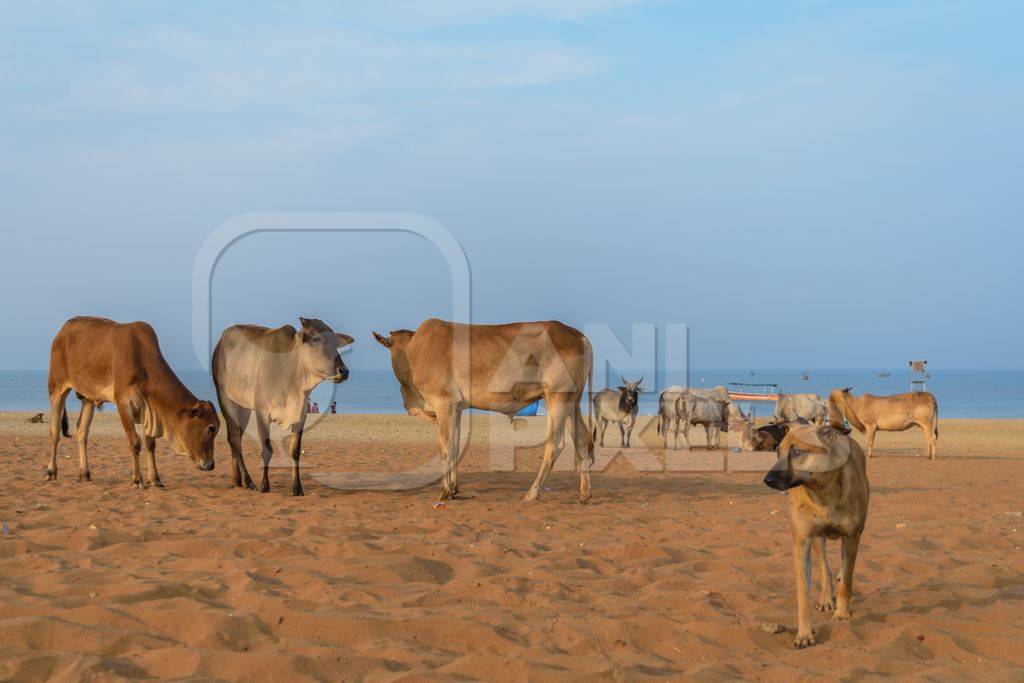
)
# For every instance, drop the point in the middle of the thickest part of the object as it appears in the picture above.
(85, 476)
(51, 476)
(157, 484)
(297, 491)
(841, 615)
(137, 485)
(249, 485)
(265, 487)
(825, 605)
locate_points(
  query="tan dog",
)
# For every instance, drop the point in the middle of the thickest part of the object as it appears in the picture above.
(826, 475)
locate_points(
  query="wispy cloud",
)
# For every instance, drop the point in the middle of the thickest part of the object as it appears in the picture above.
(183, 70)
(460, 12)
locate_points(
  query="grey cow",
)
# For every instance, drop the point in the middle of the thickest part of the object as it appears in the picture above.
(272, 372)
(795, 407)
(672, 412)
(709, 412)
(620, 406)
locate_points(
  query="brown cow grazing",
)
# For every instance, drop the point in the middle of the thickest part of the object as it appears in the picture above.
(825, 473)
(103, 360)
(445, 367)
(898, 413)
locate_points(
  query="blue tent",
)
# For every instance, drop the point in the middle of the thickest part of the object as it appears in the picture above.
(529, 411)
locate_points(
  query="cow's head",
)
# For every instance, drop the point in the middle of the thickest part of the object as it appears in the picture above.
(396, 343)
(195, 432)
(747, 434)
(318, 347)
(806, 453)
(629, 393)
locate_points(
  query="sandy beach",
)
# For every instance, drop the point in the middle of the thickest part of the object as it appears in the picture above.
(674, 569)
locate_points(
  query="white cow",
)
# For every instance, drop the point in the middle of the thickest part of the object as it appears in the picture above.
(620, 406)
(794, 407)
(272, 372)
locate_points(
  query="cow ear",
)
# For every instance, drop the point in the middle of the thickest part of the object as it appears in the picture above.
(386, 342)
(343, 339)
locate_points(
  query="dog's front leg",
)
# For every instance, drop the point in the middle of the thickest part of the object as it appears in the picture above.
(849, 553)
(802, 567)
(827, 600)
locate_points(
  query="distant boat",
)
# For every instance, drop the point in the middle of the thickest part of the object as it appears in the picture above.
(883, 373)
(805, 376)
(752, 373)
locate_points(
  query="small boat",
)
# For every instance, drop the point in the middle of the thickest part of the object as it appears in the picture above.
(883, 373)
(805, 376)
(752, 373)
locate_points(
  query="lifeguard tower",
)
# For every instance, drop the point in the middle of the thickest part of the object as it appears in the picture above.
(918, 375)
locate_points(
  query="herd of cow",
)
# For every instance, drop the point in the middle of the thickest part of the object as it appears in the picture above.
(271, 372)
(444, 368)
(714, 410)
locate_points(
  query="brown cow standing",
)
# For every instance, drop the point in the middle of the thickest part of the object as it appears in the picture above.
(897, 413)
(445, 367)
(103, 360)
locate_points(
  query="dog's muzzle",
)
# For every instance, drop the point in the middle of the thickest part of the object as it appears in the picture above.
(782, 481)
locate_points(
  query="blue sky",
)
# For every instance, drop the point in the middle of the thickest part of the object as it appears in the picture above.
(806, 184)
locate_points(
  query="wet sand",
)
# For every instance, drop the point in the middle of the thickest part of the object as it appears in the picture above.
(671, 570)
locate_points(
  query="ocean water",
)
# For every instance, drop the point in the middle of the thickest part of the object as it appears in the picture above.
(960, 393)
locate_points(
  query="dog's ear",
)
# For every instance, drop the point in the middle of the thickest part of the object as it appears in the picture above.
(836, 453)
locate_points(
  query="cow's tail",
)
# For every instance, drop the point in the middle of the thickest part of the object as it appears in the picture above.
(64, 422)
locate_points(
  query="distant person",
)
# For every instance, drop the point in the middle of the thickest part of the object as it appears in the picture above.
(315, 409)
(309, 407)
(334, 407)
